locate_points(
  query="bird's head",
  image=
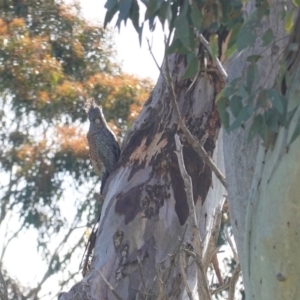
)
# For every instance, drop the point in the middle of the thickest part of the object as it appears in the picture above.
(95, 114)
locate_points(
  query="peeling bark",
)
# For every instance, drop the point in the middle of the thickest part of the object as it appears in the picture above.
(145, 209)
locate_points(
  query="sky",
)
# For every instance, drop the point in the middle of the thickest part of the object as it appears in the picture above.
(134, 60)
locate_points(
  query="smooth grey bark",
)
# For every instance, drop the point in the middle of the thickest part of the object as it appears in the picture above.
(261, 188)
(145, 212)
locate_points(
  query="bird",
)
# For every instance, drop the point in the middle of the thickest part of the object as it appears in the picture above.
(103, 144)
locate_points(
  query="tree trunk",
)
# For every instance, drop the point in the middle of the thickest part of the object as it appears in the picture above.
(145, 216)
(263, 185)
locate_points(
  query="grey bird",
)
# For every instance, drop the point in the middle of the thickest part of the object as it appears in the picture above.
(103, 144)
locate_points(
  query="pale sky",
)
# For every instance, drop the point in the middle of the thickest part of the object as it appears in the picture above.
(21, 259)
(135, 59)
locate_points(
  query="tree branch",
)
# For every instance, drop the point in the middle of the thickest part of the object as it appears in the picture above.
(235, 255)
(109, 285)
(182, 265)
(219, 66)
(3, 289)
(202, 283)
(233, 281)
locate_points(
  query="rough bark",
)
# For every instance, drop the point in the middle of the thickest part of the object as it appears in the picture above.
(145, 210)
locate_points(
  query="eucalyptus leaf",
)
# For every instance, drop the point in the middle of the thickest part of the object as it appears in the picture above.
(276, 100)
(242, 117)
(272, 120)
(192, 68)
(289, 22)
(252, 76)
(268, 37)
(246, 37)
(296, 2)
(152, 7)
(296, 133)
(262, 98)
(223, 113)
(235, 105)
(110, 4)
(124, 10)
(110, 14)
(254, 58)
(165, 13)
(182, 31)
(256, 127)
(213, 42)
(196, 16)
(134, 16)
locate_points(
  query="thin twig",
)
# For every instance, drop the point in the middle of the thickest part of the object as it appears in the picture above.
(233, 281)
(215, 263)
(219, 66)
(161, 285)
(9, 240)
(211, 246)
(109, 285)
(202, 284)
(221, 288)
(142, 276)
(210, 255)
(168, 271)
(235, 255)
(3, 289)
(183, 274)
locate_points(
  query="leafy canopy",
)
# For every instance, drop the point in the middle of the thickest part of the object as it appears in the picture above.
(245, 98)
(51, 61)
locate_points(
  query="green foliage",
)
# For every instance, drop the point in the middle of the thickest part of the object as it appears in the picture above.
(245, 99)
(184, 17)
(51, 61)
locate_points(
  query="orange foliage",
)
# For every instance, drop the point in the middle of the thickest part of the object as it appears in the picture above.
(3, 27)
(28, 153)
(43, 97)
(112, 125)
(125, 85)
(66, 12)
(16, 23)
(77, 49)
(70, 139)
(69, 89)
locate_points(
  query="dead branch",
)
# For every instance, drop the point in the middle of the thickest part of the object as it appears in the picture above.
(215, 263)
(210, 255)
(109, 285)
(236, 258)
(182, 265)
(233, 281)
(219, 66)
(211, 247)
(221, 288)
(202, 283)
